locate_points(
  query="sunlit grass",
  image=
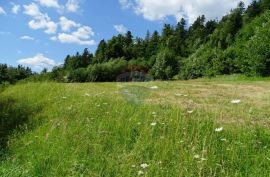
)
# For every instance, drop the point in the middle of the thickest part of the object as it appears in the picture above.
(188, 128)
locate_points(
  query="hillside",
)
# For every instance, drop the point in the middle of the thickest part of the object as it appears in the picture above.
(207, 127)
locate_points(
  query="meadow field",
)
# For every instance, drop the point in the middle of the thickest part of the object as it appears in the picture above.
(205, 127)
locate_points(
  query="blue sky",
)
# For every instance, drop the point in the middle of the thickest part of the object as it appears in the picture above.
(40, 33)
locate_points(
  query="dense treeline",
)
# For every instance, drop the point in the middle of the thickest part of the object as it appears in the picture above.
(205, 48)
(11, 75)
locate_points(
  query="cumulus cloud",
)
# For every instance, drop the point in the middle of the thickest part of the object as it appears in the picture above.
(67, 24)
(40, 20)
(15, 8)
(49, 3)
(72, 5)
(2, 11)
(38, 61)
(27, 38)
(120, 28)
(81, 37)
(191, 9)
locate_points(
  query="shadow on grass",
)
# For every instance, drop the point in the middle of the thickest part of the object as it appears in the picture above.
(14, 116)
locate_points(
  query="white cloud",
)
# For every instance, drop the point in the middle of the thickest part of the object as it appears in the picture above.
(2, 11)
(15, 8)
(49, 3)
(191, 9)
(39, 61)
(67, 24)
(27, 38)
(81, 37)
(72, 5)
(40, 20)
(125, 4)
(120, 28)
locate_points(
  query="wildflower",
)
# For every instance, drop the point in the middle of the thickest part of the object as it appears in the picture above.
(190, 112)
(219, 129)
(144, 165)
(196, 156)
(133, 166)
(153, 124)
(140, 172)
(154, 87)
(223, 139)
(203, 159)
(64, 97)
(86, 94)
(236, 101)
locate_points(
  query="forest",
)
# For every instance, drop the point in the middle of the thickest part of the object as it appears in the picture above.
(181, 51)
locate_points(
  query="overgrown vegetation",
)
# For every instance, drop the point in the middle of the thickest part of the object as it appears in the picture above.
(205, 48)
(182, 128)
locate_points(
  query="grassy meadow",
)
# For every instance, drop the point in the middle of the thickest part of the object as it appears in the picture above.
(205, 127)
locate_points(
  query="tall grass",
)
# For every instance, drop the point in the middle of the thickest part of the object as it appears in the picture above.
(128, 129)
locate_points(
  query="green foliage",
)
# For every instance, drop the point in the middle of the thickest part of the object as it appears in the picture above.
(256, 53)
(12, 74)
(205, 48)
(106, 71)
(165, 66)
(108, 129)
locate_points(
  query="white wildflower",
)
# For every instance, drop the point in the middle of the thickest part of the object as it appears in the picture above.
(153, 124)
(236, 101)
(219, 129)
(178, 94)
(144, 165)
(196, 156)
(154, 87)
(140, 172)
(190, 112)
(223, 139)
(86, 94)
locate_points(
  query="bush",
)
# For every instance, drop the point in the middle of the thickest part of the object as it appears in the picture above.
(256, 53)
(108, 71)
(166, 65)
